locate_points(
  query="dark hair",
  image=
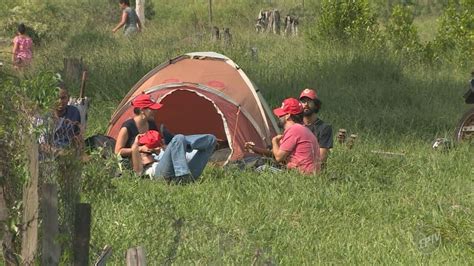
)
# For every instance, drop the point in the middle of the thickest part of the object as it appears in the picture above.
(137, 110)
(22, 28)
(297, 118)
(317, 104)
(126, 2)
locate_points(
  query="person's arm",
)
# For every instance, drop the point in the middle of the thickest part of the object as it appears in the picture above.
(14, 50)
(323, 152)
(325, 143)
(120, 148)
(121, 142)
(250, 146)
(280, 155)
(122, 22)
(136, 158)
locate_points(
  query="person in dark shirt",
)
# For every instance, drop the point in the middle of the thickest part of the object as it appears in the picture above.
(322, 131)
(143, 120)
(68, 124)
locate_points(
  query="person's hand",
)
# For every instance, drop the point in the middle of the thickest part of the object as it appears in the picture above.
(135, 142)
(248, 146)
(145, 149)
(277, 139)
(156, 150)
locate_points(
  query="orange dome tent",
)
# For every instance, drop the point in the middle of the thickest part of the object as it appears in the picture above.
(204, 92)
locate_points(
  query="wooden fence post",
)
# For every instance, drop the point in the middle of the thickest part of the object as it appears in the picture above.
(136, 256)
(82, 234)
(140, 9)
(72, 70)
(29, 242)
(210, 12)
(51, 251)
(9, 257)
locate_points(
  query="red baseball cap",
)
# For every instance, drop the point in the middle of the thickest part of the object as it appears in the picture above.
(289, 106)
(310, 93)
(151, 139)
(144, 101)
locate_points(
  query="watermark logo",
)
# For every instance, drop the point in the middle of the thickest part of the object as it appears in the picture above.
(426, 240)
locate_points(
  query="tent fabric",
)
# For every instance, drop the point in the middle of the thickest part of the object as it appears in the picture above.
(204, 93)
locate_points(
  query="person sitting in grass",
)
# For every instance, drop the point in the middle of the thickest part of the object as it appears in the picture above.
(171, 162)
(62, 128)
(297, 147)
(68, 125)
(129, 19)
(144, 109)
(323, 131)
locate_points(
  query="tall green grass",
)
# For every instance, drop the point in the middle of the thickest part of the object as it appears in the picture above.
(365, 208)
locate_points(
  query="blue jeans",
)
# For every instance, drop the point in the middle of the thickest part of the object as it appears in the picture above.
(174, 164)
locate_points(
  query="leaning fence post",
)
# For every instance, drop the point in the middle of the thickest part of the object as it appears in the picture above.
(136, 256)
(102, 259)
(50, 225)
(72, 70)
(82, 233)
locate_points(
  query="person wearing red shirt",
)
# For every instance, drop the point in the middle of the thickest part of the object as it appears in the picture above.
(297, 146)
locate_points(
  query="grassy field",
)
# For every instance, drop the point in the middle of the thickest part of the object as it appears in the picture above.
(366, 208)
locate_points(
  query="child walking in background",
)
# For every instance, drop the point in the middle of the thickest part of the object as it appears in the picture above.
(22, 48)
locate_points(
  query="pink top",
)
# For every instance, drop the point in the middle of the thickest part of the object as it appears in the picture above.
(24, 45)
(303, 149)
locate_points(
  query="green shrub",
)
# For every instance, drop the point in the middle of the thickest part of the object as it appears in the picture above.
(45, 21)
(346, 19)
(401, 32)
(455, 38)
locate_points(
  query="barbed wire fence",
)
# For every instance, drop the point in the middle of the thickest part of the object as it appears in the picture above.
(40, 175)
(60, 149)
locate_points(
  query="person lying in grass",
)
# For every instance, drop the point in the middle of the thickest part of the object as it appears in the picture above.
(176, 162)
(297, 147)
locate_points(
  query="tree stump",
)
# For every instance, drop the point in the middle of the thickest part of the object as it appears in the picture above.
(215, 34)
(276, 21)
(227, 36)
